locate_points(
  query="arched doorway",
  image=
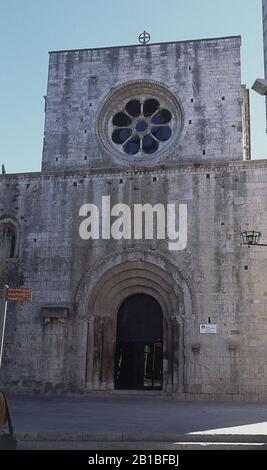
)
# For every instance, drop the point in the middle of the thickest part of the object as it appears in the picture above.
(139, 344)
(101, 293)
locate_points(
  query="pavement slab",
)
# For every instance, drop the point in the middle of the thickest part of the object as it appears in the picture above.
(115, 416)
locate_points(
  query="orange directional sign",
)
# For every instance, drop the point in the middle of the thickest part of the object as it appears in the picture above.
(19, 295)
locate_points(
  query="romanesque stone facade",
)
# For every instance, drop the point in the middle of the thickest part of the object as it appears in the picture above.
(156, 124)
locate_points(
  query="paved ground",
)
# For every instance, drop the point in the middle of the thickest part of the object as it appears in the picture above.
(121, 422)
(135, 415)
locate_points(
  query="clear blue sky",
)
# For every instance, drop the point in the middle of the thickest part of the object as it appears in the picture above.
(31, 28)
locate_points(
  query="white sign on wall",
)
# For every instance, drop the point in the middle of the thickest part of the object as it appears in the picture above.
(209, 328)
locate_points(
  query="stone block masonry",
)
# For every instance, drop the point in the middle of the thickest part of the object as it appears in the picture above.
(188, 98)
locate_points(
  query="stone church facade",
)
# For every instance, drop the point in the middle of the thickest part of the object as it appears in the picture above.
(159, 124)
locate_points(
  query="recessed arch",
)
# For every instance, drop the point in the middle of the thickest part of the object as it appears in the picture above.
(103, 290)
(9, 238)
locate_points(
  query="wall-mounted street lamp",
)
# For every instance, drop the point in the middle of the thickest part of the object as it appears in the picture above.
(260, 86)
(251, 238)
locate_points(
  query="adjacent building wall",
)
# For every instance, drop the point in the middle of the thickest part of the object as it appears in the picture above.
(264, 14)
(246, 124)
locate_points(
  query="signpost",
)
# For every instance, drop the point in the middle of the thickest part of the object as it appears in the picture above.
(19, 295)
(3, 321)
(10, 295)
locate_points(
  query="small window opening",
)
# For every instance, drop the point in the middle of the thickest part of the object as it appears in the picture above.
(150, 107)
(8, 240)
(121, 119)
(133, 108)
(13, 245)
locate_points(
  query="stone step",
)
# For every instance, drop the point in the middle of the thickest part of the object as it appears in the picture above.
(142, 437)
(137, 446)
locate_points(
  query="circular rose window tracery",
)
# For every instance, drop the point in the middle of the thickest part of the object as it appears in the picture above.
(141, 126)
(140, 118)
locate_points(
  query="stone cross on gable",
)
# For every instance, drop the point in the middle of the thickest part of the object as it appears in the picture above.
(144, 38)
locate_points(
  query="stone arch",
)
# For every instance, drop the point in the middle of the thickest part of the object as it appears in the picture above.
(9, 238)
(107, 285)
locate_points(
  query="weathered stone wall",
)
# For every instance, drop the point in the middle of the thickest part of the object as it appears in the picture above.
(64, 339)
(47, 340)
(203, 75)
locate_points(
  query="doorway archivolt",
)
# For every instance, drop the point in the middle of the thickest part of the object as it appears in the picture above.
(102, 292)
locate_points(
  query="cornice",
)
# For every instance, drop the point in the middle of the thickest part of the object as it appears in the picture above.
(139, 170)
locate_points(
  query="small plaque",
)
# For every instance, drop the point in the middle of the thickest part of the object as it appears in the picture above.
(208, 329)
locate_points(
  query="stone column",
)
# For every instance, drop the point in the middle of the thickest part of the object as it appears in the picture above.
(90, 352)
(165, 355)
(169, 345)
(107, 356)
(180, 353)
(97, 353)
(175, 349)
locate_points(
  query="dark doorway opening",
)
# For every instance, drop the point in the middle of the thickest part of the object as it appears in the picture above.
(139, 357)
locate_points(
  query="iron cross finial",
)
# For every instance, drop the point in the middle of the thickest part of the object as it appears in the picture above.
(144, 38)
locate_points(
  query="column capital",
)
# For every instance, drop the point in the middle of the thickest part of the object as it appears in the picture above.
(91, 319)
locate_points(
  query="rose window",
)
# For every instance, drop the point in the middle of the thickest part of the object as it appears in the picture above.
(142, 126)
